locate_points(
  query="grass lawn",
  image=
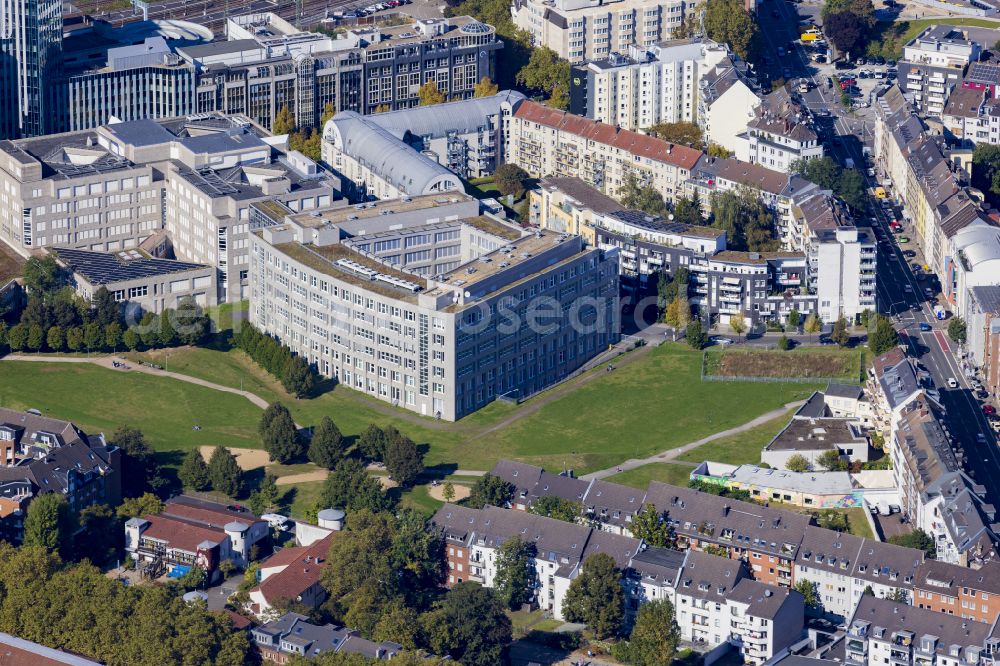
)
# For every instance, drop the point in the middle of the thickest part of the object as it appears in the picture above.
(891, 36)
(640, 477)
(842, 364)
(418, 499)
(299, 500)
(653, 403)
(858, 521)
(740, 449)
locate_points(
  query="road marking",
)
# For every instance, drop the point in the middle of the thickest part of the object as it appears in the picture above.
(945, 347)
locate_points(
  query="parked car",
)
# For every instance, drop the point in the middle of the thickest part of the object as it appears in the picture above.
(719, 340)
(904, 239)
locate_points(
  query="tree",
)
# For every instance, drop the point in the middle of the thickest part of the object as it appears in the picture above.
(595, 597)
(696, 337)
(49, 523)
(403, 459)
(784, 344)
(840, 334)
(898, 595)
(716, 150)
(985, 169)
(813, 324)
(93, 336)
(131, 339)
(135, 507)
(655, 636)
(103, 307)
(833, 520)
(328, 112)
(515, 574)
(429, 94)
(298, 378)
(44, 276)
(957, 330)
(470, 625)
(280, 437)
(36, 337)
(882, 335)
(113, 335)
(544, 74)
(747, 221)
(807, 589)
(794, 318)
(192, 324)
(55, 339)
(326, 447)
(372, 443)
(844, 31)
(551, 506)
(651, 525)
(17, 337)
(264, 499)
(683, 133)
(797, 463)
(738, 323)
(485, 88)
(918, 539)
(688, 211)
(831, 461)
(74, 338)
(448, 491)
(193, 472)
(642, 197)
(728, 22)
(510, 179)
(350, 487)
(489, 490)
(678, 315)
(139, 467)
(100, 537)
(225, 472)
(284, 121)
(193, 579)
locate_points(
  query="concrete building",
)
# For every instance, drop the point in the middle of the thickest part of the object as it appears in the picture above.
(109, 189)
(546, 142)
(141, 282)
(268, 64)
(983, 318)
(418, 151)
(645, 86)
(580, 30)
(972, 262)
(813, 431)
(292, 635)
(933, 64)
(780, 133)
(397, 298)
(881, 630)
(30, 61)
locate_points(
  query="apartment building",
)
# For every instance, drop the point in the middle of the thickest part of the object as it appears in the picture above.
(972, 594)
(268, 64)
(892, 383)
(401, 299)
(933, 64)
(292, 635)
(110, 188)
(579, 30)
(45, 455)
(983, 318)
(644, 86)
(191, 532)
(935, 493)
(727, 98)
(418, 151)
(473, 537)
(882, 631)
(546, 142)
(780, 133)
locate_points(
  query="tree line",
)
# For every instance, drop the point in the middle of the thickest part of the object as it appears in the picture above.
(294, 372)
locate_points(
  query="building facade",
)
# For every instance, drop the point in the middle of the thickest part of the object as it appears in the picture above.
(30, 61)
(933, 64)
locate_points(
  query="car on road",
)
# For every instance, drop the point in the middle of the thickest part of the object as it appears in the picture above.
(981, 438)
(952, 383)
(925, 327)
(989, 410)
(719, 340)
(907, 288)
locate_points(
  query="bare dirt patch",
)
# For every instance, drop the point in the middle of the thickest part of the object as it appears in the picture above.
(304, 477)
(245, 458)
(845, 365)
(437, 492)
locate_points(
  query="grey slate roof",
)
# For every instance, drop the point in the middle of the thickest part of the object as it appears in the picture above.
(101, 268)
(764, 601)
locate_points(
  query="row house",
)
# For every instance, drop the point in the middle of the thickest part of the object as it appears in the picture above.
(972, 594)
(292, 637)
(291, 574)
(546, 142)
(892, 383)
(984, 334)
(780, 133)
(885, 632)
(727, 97)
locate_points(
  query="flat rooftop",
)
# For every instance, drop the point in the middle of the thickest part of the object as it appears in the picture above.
(817, 483)
(817, 435)
(344, 214)
(323, 258)
(500, 260)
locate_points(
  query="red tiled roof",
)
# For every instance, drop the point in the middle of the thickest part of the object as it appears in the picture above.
(301, 572)
(240, 622)
(179, 534)
(633, 142)
(211, 517)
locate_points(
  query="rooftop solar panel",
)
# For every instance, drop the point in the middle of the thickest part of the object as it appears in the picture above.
(104, 268)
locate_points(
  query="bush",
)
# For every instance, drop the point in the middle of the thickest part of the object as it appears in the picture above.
(294, 373)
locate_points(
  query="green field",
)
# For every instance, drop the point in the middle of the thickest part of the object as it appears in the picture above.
(891, 36)
(653, 403)
(740, 449)
(640, 477)
(800, 364)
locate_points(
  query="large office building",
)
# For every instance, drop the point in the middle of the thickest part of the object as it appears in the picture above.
(268, 64)
(645, 86)
(427, 303)
(579, 30)
(111, 188)
(30, 54)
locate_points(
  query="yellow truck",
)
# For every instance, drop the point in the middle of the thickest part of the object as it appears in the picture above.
(811, 35)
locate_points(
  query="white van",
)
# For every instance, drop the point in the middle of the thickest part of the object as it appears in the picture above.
(277, 521)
